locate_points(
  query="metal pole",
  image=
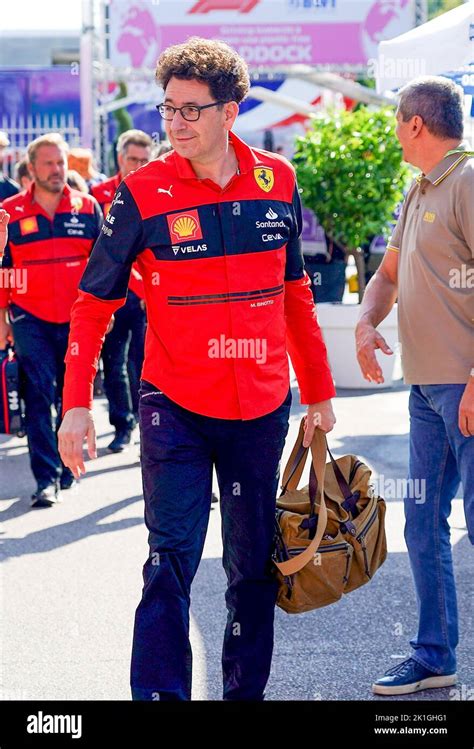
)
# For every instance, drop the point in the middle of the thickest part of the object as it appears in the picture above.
(86, 74)
(101, 77)
(421, 12)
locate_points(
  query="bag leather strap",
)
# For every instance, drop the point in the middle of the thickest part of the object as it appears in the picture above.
(295, 466)
(318, 454)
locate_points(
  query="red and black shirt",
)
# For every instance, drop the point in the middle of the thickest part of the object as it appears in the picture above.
(226, 291)
(51, 252)
(104, 194)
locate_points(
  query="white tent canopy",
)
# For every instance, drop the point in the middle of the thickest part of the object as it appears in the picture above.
(443, 45)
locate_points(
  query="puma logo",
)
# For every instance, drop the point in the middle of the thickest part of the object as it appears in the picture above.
(166, 192)
(19, 208)
(15, 319)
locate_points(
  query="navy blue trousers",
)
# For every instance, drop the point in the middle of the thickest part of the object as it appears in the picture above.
(122, 356)
(41, 347)
(179, 450)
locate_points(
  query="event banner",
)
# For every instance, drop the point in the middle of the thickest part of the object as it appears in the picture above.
(265, 32)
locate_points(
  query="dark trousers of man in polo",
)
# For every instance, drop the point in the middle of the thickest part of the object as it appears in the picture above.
(179, 449)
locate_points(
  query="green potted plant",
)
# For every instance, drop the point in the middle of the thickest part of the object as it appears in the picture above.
(351, 174)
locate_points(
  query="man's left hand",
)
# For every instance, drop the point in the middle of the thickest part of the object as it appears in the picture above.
(466, 410)
(321, 416)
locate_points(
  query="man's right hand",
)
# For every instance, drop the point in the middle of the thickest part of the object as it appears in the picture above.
(368, 339)
(6, 332)
(77, 426)
(4, 219)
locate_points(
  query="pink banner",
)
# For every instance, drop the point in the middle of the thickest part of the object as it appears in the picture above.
(284, 32)
(281, 45)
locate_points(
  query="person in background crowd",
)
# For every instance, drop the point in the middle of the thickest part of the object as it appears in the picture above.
(75, 181)
(190, 219)
(123, 351)
(82, 160)
(7, 186)
(51, 233)
(162, 148)
(22, 173)
(432, 244)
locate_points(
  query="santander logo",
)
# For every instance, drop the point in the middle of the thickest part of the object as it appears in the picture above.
(241, 6)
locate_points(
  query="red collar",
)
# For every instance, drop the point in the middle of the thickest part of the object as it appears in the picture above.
(247, 159)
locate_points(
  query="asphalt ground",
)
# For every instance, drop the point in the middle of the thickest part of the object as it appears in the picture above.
(70, 580)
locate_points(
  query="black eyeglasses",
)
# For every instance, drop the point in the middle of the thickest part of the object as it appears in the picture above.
(190, 112)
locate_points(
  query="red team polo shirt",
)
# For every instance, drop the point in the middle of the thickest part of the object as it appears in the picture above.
(52, 252)
(226, 291)
(104, 192)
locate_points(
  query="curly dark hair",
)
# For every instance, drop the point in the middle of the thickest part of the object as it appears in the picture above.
(208, 61)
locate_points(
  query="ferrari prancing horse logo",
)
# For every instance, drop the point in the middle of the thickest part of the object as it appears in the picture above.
(264, 178)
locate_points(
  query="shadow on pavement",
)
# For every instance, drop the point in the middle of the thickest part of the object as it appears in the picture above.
(56, 536)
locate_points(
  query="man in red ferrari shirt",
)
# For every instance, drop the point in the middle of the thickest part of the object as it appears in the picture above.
(51, 233)
(123, 349)
(215, 229)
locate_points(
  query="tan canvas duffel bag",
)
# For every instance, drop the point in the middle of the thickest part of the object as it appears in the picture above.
(327, 542)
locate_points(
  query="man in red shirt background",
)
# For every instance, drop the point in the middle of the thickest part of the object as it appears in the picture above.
(123, 350)
(214, 227)
(51, 233)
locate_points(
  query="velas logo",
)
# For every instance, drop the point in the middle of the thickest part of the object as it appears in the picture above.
(184, 226)
(28, 225)
(264, 178)
(241, 6)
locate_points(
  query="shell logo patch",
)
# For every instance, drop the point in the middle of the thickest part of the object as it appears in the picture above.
(264, 177)
(429, 216)
(106, 209)
(77, 203)
(28, 225)
(184, 226)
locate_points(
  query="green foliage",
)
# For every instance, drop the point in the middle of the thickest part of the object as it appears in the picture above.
(123, 121)
(349, 168)
(122, 116)
(436, 7)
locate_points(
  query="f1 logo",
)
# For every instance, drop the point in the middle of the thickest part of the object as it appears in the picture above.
(242, 6)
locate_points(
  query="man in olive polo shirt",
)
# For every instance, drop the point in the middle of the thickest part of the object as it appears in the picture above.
(429, 265)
